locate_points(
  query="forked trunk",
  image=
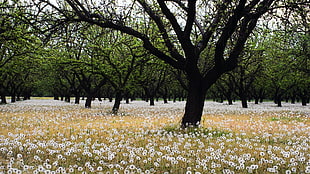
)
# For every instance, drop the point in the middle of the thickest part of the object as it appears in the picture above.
(194, 104)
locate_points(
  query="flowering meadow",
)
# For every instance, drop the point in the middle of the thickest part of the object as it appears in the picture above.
(46, 136)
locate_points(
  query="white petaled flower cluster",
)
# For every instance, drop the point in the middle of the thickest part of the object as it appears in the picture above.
(55, 138)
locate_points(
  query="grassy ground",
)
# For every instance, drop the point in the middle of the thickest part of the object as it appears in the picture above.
(44, 136)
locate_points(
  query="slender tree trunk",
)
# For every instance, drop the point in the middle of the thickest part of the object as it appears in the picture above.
(152, 101)
(180, 99)
(194, 104)
(165, 100)
(221, 99)
(304, 101)
(244, 102)
(243, 97)
(88, 100)
(77, 99)
(279, 102)
(230, 101)
(67, 99)
(13, 98)
(256, 100)
(3, 99)
(293, 99)
(117, 102)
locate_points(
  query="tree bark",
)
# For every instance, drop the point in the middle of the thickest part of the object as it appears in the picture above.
(194, 104)
(13, 98)
(293, 99)
(67, 99)
(88, 101)
(230, 101)
(304, 101)
(165, 100)
(244, 102)
(256, 100)
(152, 101)
(3, 99)
(117, 102)
(279, 102)
(77, 99)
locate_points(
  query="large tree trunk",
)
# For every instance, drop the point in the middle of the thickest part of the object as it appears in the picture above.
(117, 102)
(194, 104)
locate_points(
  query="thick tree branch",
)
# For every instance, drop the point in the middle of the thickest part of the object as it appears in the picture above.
(206, 35)
(228, 30)
(161, 26)
(99, 20)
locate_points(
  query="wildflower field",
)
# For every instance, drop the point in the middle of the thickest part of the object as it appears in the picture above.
(46, 136)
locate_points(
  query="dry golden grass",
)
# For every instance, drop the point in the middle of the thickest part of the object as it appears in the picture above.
(143, 139)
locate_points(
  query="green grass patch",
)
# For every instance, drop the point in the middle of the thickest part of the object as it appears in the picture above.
(286, 119)
(196, 131)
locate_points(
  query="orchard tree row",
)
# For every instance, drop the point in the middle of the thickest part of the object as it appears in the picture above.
(225, 50)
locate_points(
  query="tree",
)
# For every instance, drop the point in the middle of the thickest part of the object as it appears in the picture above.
(151, 77)
(246, 72)
(117, 58)
(226, 87)
(18, 45)
(187, 28)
